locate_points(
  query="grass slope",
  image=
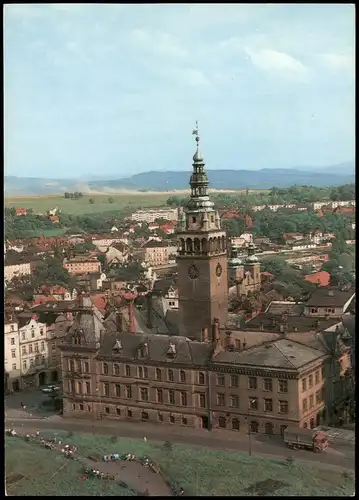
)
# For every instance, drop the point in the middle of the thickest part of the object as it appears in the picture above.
(199, 471)
(82, 205)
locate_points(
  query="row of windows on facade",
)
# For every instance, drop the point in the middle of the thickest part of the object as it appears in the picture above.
(129, 413)
(39, 360)
(253, 403)
(34, 348)
(253, 383)
(319, 397)
(309, 385)
(329, 310)
(224, 423)
(33, 361)
(23, 334)
(142, 371)
(128, 393)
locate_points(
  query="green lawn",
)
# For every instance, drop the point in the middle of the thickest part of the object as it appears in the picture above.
(32, 470)
(48, 233)
(198, 470)
(82, 205)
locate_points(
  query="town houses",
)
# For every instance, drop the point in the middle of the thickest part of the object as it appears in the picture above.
(167, 318)
(196, 364)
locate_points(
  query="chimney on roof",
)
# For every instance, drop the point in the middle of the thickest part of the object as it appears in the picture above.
(119, 321)
(215, 331)
(149, 311)
(331, 293)
(229, 341)
(205, 334)
(261, 326)
(81, 299)
(131, 315)
(244, 344)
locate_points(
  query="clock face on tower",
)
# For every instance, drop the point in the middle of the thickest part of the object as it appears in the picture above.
(193, 272)
(218, 270)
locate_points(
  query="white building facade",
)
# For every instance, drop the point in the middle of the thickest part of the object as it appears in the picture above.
(12, 359)
(151, 215)
(17, 270)
(34, 354)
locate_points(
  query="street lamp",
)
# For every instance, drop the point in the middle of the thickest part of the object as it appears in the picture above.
(251, 401)
(97, 390)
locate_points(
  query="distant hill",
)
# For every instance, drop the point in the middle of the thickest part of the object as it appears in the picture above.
(163, 181)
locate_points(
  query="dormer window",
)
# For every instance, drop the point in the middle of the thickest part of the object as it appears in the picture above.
(143, 350)
(118, 345)
(171, 350)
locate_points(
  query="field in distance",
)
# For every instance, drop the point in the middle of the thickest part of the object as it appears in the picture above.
(133, 199)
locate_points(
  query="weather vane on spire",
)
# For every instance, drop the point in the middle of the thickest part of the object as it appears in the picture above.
(196, 133)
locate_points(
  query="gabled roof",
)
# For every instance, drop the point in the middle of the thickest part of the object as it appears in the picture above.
(89, 323)
(280, 354)
(187, 352)
(321, 297)
(349, 323)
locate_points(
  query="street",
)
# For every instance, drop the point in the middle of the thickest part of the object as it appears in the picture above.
(338, 454)
(271, 447)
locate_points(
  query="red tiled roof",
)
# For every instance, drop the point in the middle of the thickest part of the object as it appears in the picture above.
(44, 299)
(58, 290)
(291, 235)
(267, 274)
(20, 211)
(322, 278)
(344, 210)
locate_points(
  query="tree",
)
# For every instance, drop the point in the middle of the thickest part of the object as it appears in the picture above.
(50, 271)
(91, 201)
(173, 201)
(275, 265)
(235, 226)
(101, 258)
(110, 200)
(67, 195)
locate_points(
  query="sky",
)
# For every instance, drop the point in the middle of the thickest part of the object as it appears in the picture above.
(106, 90)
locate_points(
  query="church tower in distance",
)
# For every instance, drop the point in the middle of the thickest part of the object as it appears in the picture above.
(202, 259)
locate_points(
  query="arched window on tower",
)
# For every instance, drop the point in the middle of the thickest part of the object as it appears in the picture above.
(197, 245)
(182, 245)
(188, 245)
(210, 245)
(204, 245)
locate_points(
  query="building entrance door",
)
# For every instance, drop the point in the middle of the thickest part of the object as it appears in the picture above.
(205, 423)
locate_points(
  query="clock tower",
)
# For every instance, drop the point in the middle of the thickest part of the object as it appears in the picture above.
(202, 259)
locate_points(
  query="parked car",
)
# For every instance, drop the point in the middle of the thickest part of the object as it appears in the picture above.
(50, 388)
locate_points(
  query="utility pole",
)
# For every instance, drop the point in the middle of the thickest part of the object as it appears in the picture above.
(251, 401)
(94, 410)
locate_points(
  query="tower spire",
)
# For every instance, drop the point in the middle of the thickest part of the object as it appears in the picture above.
(199, 179)
(196, 133)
